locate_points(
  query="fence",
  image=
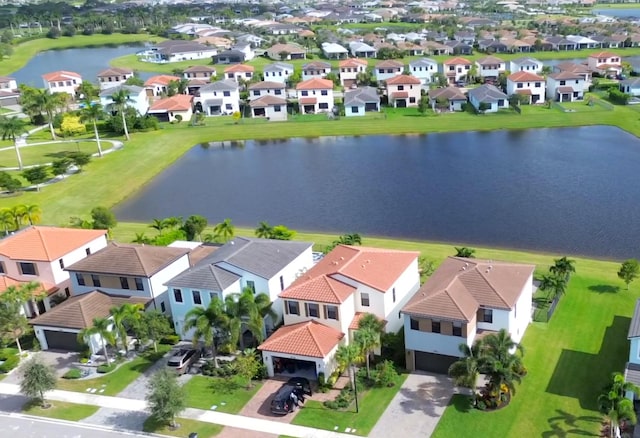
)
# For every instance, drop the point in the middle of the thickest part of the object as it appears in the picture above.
(606, 105)
(543, 311)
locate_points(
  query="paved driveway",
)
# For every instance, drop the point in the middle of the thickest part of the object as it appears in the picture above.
(416, 408)
(61, 361)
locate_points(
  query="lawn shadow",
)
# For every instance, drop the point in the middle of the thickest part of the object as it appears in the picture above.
(119, 420)
(566, 424)
(430, 397)
(59, 154)
(604, 288)
(582, 375)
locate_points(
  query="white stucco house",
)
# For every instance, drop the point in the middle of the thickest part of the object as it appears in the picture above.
(62, 82)
(462, 301)
(527, 84)
(456, 69)
(171, 109)
(270, 107)
(404, 91)
(334, 51)
(350, 69)
(566, 86)
(490, 67)
(388, 69)
(218, 98)
(359, 101)
(277, 72)
(631, 86)
(489, 96)
(113, 76)
(239, 72)
(137, 99)
(526, 64)
(181, 50)
(605, 63)
(315, 95)
(423, 69)
(159, 85)
(315, 69)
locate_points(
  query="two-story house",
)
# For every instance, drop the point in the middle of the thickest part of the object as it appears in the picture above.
(387, 69)
(323, 306)
(137, 98)
(566, 86)
(456, 69)
(266, 88)
(277, 72)
(527, 84)
(218, 98)
(315, 95)
(572, 67)
(527, 64)
(239, 73)
(490, 67)
(159, 85)
(315, 69)
(114, 76)
(41, 254)
(62, 82)
(605, 63)
(262, 265)
(404, 91)
(423, 69)
(181, 50)
(268, 99)
(350, 69)
(463, 301)
(203, 72)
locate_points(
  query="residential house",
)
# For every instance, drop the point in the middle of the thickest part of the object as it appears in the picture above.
(528, 84)
(605, 63)
(447, 98)
(456, 69)
(137, 98)
(62, 82)
(267, 88)
(561, 43)
(464, 36)
(436, 48)
(361, 100)
(315, 69)
(490, 67)
(9, 92)
(262, 265)
(518, 46)
(322, 307)
(286, 52)
(387, 69)
(350, 69)
(315, 95)
(404, 91)
(460, 48)
(218, 98)
(359, 49)
(41, 254)
(610, 41)
(566, 86)
(181, 50)
(463, 301)
(334, 51)
(159, 85)
(230, 56)
(527, 64)
(271, 107)
(130, 270)
(246, 48)
(493, 46)
(239, 72)
(114, 76)
(410, 49)
(175, 108)
(631, 86)
(423, 69)
(204, 72)
(580, 69)
(277, 72)
(488, 99)
(632, 368)
(583, 42)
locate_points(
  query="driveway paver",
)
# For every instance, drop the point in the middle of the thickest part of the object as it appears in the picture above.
(61, 361)
(260, 404)
(416, 408)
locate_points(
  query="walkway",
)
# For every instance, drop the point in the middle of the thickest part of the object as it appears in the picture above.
(140, 406)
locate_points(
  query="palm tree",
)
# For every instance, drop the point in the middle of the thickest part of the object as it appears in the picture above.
(615, 405)
(563, 267)
(17, 214)
(347, 356)
(502, 373)
(102, 328)
(140, 238)
(375, 326)
(207, 324)
(33, 213)
(125, 314)
(501, 346)
(249, 310)
(87, 91)
(465, 371)
(367, 340)
(465, 252)
(555, 284)
(49, 103)
(12, 128)
(92, 112)
(264, 230)
(224, 229)
(120, 99)
(173, 222)
(159, 224)
(6, 220)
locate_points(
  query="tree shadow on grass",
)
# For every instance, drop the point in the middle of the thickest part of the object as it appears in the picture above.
(566, 425)
(59, 154)
(604, 288)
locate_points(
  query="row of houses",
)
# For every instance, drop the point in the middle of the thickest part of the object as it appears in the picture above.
(318, 303)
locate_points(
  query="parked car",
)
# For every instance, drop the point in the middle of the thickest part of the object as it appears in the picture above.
(282, 402)
(301, 383)
(182, 359)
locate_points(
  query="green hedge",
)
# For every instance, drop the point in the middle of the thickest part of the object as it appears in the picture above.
(73, 373)
(106, 368)
(9, 363)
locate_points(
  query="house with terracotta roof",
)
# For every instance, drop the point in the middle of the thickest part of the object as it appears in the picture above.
(580, 69)
(62, 82)
(41, 254)
(239, 72)
(113, 76)
(350, 69)
(130, 270)
(218, 98)
(404, 91)
(463, 301)
(566, 86)
(315, 69)
(266, 88)
(490, 67)
(315, 95)
(527, 84)
(323, 306)
(456, 69)
(9, 92)
(387, 69)
(270, 107)
(605, 63)
(159, 85)
(262, 265)
(175, 108)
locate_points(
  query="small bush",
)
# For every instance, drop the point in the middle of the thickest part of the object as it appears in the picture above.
(170, 340)
(84, 360)
(9, 363)
(73, 373)
(342, 401)
(262, 373)
(386, 374)
(103, 369)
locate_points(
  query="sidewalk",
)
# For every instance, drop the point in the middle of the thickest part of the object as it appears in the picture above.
(237, 421)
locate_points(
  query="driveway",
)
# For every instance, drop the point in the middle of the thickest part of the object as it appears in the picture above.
(260, 404)
(61, 361)
(416, 408)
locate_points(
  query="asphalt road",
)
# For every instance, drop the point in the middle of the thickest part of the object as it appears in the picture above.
(18, 426)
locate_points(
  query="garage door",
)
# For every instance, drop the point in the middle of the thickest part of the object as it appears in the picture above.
(434, 363)
(62, 341)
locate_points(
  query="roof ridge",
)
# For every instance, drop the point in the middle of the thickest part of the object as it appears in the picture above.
(315, 340)
(335, 294)
(42, 241)
(455, 302)
(498, 294)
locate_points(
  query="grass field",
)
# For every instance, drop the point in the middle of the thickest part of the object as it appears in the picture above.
(204, 430)
(41, 154)
(61, 410)
(202, 395)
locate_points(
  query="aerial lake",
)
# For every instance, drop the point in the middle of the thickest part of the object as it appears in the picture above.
(568, 190)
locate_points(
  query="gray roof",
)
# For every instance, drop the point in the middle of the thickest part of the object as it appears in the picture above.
(360, 96)
(261, 257)
(277, 66)
(634, 328)
(423, 62)
(224, 85)
(132, 89)
(525, 60)
(487, 93)
(183, 47)
(631, 82)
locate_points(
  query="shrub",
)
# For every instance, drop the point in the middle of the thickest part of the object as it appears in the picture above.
(393, 348)
(342, 401)
(9, 363)
(386, 374)
(6, 353)
(170, 340)
(104, 368)
(73, 373)
(262, 373)
(84, 360)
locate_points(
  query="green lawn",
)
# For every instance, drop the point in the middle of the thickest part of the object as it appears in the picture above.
(204, 430)
(201, 395)
(117, 380)
(372, 404)
(61, 410)
(132, 61)
(46, 153)
(569, 361)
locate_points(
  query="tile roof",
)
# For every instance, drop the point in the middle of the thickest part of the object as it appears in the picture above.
(604, 55)
(524, 76)
(40, 243)
(179, 102)
(223, 85)
(352, 62)
(390, 63)
(308, 100)
(400, 95)
(160, 80)
(457, 61)
(355, 322)
(460, 286)
(266, 101)
(132, 89)
(310, 338)
(423, 62)
(449, 93)
(487, 93)
(565, 74)
(403, 80)
(78, 312)
(240, 68)
(634, 327)
(115, 71)
(199, 68)
(361, 96)
(278, 66)
(266, 85)
(490, 60)
(6, 282)
(129, 259)
(524, 92)
(315, 84)
(316, 65)
(61, 75)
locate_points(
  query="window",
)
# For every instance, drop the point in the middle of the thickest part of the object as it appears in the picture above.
(457, 329)
(248, 74)
(364, 299)
(488, 316)
(304, 93)
(323, 105)
(124, 283)
(277, 109)
(312, 310)
(563, 82)
(415, 325)
(324, 92)
(230, 75)
(80, 279)
(163, 307)
(393, 291)
(435, 326)
(61, 262)
(537, 84)
(87, 251)
(139, 285)
(520, 85)
(412, 100)
(226, 93)
(400, 87)
(2, 269)
(67, 292)
(228, 106)
(281, 283)
(252, 286)
(256, 92)
(177, 295)
(277, 92)
(27, 268)
(95, 280)
(292, 307)
(197, 299)
(331, 312)
(355, 109)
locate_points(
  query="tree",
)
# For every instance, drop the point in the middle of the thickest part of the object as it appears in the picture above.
(79, 159)
(346, 357)
(35, 102)
(555, 284)
(12, 128)
(614, 404)
(264, 230)
(208, 324)
(133, 80)
(125, 315)
(502, 368)
(367, 340)
(72, 125)
(88, 91)
(166, 397)
(37, 379)
(465, 370)
(60, 166)
(92, 112)
(423, 105)
(280, 232)
(17, 213)
(465, 252)
(159, 225)
(103, 218)
(224, 229)
(563, 267)
(152, 325)
(13, 322)
(102, 328)
(120, 100)
(284, 55)
(9, 183)
(32, 213)
(36, 175)
(6, 220)
(194, 226)
(629, 271)
(247, 310)
(247, 365)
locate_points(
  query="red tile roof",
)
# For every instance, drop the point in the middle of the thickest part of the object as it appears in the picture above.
(239, 68)
(457, 61)
(115, 71)
(38, 243)
(308, 100)
(400, 95)
(526, 92)
(61, 75)
(315, 84)
(403, 80)
(160, 80)
(179, 102)
(310, 338)
(352, 62)
(604, 55)
(524, 76)
(6, 282)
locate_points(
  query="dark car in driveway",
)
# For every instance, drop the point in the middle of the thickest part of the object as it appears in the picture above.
(282, 402)
(301, 383)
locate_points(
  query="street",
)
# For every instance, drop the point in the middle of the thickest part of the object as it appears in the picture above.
(18, 426)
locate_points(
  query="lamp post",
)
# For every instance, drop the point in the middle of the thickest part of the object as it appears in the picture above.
(355, 388)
